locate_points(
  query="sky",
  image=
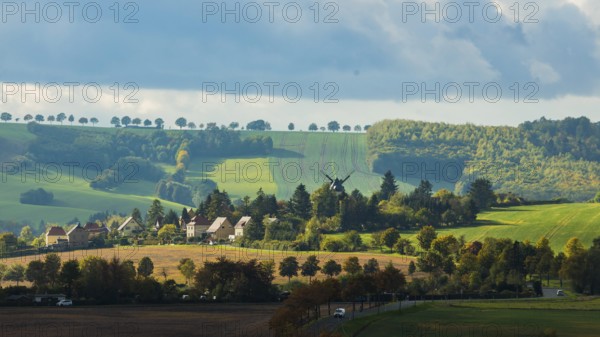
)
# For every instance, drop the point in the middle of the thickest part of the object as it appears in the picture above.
(354, 61)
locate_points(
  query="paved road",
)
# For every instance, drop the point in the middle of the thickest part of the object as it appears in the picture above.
(328, 323)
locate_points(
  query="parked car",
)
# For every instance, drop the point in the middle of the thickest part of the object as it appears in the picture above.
(339, 313)
(64, 303)
(559, 292)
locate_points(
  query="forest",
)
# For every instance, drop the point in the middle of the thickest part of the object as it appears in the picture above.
(539, 160)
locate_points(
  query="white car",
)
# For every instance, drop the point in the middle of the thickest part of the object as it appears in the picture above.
(339, 313)
(64, 303)
(559, 292)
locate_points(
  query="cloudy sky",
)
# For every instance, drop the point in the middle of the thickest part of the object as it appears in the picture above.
(355, 61)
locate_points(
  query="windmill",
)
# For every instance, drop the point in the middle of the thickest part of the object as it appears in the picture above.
(337, 185)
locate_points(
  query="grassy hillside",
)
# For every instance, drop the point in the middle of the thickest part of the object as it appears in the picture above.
(297, 158)
(568, 317)
(558, 223)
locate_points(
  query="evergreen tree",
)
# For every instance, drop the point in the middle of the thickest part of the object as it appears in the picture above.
(155, 212)
(300, 205)
(185, 216)
(171, 218)
(388, 186)
(482, 194)
(137, 215)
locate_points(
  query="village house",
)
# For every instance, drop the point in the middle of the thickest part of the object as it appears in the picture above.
(56, 236)
(78, 237)
(95, 230)
(221, 229)
(240, 225)
(130, 227)
(197, 227)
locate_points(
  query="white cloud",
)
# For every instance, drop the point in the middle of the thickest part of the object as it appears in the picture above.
(543, 72)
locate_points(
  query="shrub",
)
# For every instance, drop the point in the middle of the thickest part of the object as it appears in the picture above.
(37, 197)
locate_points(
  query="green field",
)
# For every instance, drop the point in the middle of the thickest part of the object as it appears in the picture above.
(558, 223)
(297, 158)
(568, 317)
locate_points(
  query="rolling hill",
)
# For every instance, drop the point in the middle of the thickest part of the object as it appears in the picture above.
(297, 157)
(558, 223)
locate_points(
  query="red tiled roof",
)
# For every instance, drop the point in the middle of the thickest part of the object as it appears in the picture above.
(56, 231)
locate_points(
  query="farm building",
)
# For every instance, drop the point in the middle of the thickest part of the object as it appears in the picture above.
(78, 237)
(56, 235)
(197, 227)
(240, 225)
(220, 229)
(130, 227)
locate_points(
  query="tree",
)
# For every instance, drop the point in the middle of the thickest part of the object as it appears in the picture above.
(347, 128)
(482, 194)
(28, 117)
(357, 128)
(322, 128)
(61, 117)
(187, 267)
(371, 267)
(116, 121)
(313, 127)
(191, 125)
(333, 126)
(5, 116)
(155, 212)
(291, 126)
(39, 118)
(147, 122)
(412, 268)
(159, 122)
(145, 267)
(300, 204)
(352, 265)
(596, 198)
(15, 273)
(69, 273)
(137, 215)
(257, 125)
(35, 274)
(94, 121)
(136, 121)
(390, 279)
(126, 120)
(167, 233)
(52, 264)
(366, 127)
(26, 235)
(51, 119)
(289, 267)
(388, 186)
(389, 237)
(310, 267)
(181, 122)
(426, 236)
(331, 268)
(71, 119)
(234, 125)
(83, 120)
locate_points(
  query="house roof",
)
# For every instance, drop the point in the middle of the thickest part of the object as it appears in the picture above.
(243, 222)
(56, 231)
(127, 222)
(200, 220)
(94, 227)
(90, 226)
(216, 225)
(75, 228)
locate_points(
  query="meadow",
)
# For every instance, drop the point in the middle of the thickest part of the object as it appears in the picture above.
(567, 317)
(558, 223)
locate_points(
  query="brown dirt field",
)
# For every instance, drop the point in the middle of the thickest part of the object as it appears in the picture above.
(203, 320)
(168, 257)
